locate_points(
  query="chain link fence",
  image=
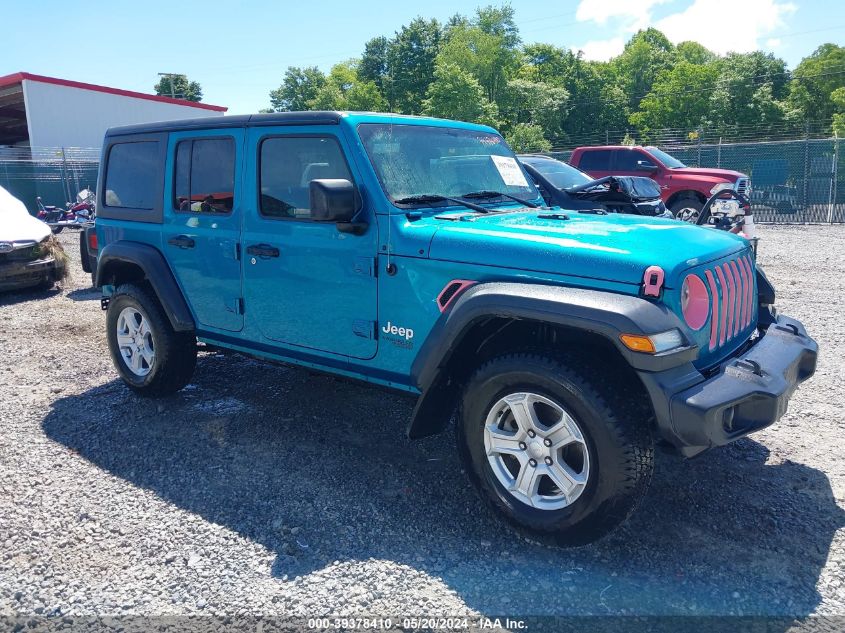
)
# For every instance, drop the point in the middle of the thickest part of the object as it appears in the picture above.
(55, 174)
(792, 181)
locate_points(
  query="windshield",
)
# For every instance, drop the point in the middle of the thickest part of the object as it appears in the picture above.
(559, 174)
(419, 160)
(670, 161)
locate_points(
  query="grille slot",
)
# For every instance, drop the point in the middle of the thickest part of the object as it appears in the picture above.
(742, 186)
(731, 286)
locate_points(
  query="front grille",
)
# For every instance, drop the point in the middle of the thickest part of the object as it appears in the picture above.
(742, 186)
(732, 299)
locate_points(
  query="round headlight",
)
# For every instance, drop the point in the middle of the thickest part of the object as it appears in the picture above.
(695, 302)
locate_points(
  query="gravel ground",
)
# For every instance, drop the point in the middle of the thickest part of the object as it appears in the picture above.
(268, 490)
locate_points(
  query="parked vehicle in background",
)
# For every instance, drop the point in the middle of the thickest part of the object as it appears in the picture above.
(29, 255)
(771, 188)
(683, 189)
(415, 254)
(565, 186)
(74, 214)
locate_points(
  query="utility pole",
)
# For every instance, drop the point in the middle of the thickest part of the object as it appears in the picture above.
(170, 76)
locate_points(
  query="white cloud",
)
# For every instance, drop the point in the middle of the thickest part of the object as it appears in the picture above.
(727, 25)
(636, 13)
(773, 42)
(601, 50)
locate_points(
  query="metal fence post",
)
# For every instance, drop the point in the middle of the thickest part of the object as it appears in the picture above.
(806, 171)
(834, 184)
(719, 154)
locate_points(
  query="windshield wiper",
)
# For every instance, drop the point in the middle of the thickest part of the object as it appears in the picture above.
(433, 197)
(498, 194)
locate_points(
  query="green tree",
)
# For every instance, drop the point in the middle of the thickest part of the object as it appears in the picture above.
(814, 81)
(178, 86)
(535, 102)
(527, 137)
(749, 89)
(694, 53)
(344, 89)
(456, 94)
(299, 89)
(373, 65)
(645, 56)
(679, 99)
(410, 65)
(838, 99)
(487, 47)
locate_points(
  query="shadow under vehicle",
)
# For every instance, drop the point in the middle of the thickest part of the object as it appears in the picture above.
(358, 489)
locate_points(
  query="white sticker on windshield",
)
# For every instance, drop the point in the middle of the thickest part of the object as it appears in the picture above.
(509, 171)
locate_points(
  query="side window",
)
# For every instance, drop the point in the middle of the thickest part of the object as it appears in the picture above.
(598, 160)
(626, 159)
(204, 175)
(288, 165)
(131, 175)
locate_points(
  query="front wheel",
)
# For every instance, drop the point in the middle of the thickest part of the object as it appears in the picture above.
(557, 452)
(687, 210)
(151, 358)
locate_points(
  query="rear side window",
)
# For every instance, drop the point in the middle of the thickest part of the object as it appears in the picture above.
(626, 159)
(288, 165)
(131, 174)
(204, 175)
(597, 160)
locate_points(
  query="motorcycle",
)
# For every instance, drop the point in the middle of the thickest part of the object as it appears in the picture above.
(73, 214)
(729, 210)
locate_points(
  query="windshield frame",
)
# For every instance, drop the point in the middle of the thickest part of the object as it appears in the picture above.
(669, 161)
(532, 197)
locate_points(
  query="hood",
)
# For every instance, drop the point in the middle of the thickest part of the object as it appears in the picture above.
(612, 247)
(726, 174)
(16, 225)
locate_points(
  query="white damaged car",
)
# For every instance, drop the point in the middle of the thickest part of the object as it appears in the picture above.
(29, 254)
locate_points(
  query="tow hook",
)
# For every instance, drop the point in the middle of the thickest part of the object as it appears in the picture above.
(750, 365)
(789, 327)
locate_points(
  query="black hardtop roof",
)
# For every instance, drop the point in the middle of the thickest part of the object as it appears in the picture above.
(222, 122)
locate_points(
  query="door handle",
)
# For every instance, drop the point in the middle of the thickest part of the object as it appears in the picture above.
(182, 241)
(262, 250)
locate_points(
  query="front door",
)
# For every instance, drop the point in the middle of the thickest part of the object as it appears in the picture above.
(202, 224)
(306, 284)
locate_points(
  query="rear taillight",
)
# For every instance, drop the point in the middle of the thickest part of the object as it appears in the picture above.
(92, 241)
(695, 302)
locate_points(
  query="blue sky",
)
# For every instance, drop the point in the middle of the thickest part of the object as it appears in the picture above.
(238, 49)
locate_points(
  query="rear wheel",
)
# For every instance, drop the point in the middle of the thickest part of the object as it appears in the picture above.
(151, 358)
(553, 449)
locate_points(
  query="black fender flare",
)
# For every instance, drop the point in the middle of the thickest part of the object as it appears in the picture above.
(603, 313)
(156, 271)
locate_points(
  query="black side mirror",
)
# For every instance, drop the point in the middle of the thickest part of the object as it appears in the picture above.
(644, 165)
(336, 200)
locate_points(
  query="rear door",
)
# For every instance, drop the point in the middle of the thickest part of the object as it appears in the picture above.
(596, 162)
(306, 284)
(202, 223)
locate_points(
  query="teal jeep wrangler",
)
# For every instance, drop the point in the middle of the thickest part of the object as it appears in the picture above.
(416, 254)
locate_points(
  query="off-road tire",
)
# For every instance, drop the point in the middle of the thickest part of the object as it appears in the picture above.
(615, 425)
(175, 352)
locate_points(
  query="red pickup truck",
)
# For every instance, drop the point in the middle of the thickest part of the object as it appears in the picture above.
(683, 189)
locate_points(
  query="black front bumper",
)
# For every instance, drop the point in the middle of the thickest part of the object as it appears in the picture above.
(746, 393)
